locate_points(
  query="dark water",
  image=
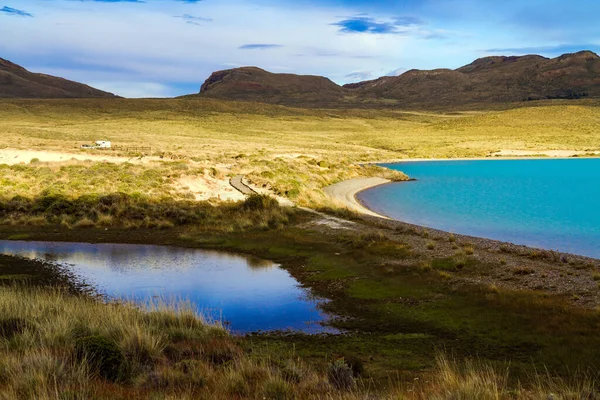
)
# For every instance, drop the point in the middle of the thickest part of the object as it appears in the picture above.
(248, 294)
(552, 204)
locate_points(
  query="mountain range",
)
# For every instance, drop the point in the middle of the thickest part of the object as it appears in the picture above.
(17, 82)
(487, 80)
(496, 79)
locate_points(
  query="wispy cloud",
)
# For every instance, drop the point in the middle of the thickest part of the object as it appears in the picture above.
(259, 46)
(14, 11)
(408, 21)
(396, 72)
(557, 49)
(192, 20)
(360, 75)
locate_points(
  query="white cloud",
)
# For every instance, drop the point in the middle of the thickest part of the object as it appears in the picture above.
(124, 46)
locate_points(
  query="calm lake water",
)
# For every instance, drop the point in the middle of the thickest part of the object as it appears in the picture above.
(552, 204)
(250, 294)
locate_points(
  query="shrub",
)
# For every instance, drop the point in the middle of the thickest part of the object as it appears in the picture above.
(523, 271)
(85, 222)
(236, 386)
(278, 389)
(340, 375)
(460, 262)
(141, 346)
(220, 351)
(103, 355)
(10, 327)
(292, 373)
(445, 264)
(256, 202)
(356, 365)
(368, 239)
(187, 373)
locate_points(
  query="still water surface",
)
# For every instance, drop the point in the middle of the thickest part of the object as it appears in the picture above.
(549, 203)
(248, 294)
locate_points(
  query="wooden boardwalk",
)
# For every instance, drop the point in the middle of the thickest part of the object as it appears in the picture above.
(240, 186)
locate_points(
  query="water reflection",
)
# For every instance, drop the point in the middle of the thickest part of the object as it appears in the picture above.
(248, 293)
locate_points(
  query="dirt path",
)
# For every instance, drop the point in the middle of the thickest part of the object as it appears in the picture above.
(345, 192)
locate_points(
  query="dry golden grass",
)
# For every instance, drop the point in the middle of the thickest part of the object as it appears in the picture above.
(294, 151)
(170, 352)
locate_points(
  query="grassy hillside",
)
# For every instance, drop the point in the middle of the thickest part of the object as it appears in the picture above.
(219, 130)
(296, 151)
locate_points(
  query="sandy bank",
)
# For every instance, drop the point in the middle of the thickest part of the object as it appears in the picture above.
(14, 157)
(346, 191)
(505, 154)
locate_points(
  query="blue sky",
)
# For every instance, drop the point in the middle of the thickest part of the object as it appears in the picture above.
(161, 48)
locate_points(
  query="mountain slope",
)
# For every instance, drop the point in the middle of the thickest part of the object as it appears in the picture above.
(255, 84)
(489, 80)
(17, 82)
(493, 79)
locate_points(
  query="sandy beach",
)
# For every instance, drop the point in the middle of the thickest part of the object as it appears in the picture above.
(505, 154)
(346, 191)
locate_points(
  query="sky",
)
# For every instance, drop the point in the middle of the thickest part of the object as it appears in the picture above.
(165, 48)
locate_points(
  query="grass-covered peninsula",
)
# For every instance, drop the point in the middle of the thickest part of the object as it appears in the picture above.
(424, 314)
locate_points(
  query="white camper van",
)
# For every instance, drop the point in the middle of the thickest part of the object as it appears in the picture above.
(103, 144)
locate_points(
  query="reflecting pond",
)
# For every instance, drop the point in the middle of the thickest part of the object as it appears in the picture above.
(246, 293)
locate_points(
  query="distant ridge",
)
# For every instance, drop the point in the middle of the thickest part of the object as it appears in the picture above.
(488, 80)
(255, 84)
(17, 82)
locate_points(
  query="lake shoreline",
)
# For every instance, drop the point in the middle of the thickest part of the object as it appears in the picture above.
(350, 189)
(486, 158)
(346, 192)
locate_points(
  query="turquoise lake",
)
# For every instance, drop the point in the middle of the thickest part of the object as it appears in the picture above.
(547, 203)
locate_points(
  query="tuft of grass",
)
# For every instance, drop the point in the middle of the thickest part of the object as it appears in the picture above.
(19, 236)
(523, 271)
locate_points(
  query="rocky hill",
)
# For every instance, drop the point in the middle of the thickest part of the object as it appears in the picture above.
(17, 82)
(255, 84)
(487, 80)
(493, 79)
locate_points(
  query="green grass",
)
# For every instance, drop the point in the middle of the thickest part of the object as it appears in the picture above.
(495, 324)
